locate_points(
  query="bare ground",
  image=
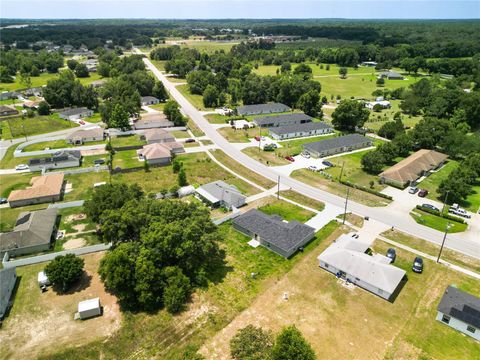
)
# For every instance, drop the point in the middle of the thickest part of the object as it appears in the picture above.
(74, 244)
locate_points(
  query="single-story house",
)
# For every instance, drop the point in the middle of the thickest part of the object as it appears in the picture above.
(7, 110)
(151, 121)
(59, 160)
(159, 153)
(274, 233)
(7, 95)
(413, 167)
(385, 104)
(43, 189)
(82, 136)
(346, 258)
(258, 109)
(98, 83)
(149, 100)
(242, 124)
(220, 194)
(282, 120)
(337, 145)
(8, 279)
(185, 191)
(76, 114)
(36, 91)
(391, 75)
(157, 136)
(33, 233)
(299, 130)
(369, 63)
(89, 308)
(31, 104)
(461, 311)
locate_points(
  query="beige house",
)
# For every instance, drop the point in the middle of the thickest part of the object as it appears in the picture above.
(157, 136)
(43, 189)
(82, 136)
(152, 121)
(155, 154)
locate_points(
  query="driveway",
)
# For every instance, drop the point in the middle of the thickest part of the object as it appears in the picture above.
(324, 217)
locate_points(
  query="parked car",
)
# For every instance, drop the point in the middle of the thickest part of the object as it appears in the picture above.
(269, 147)
(412, 190)
(327, 163)
(99, 161)
(431, 207)
(3, 200)
(418, 265)
(306, 155)
(392, 254)
(312, 168)
(423, 193)
(257, 138)
(290, 158)
(190, 140)
(81, 122)
(21, 167)
(460, 212)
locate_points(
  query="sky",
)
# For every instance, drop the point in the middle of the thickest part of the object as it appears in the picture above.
(258, 9)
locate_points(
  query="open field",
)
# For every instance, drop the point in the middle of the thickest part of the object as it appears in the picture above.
(302, 199)
(267, 157)
(42, 80)
(243, 135)
(287, 211)
(202, 45)
(344, 324)
(126, 159)
(437, 222)
(195, 100)
(43, 322)
(16, 127)
(131, 140)
(376, 120)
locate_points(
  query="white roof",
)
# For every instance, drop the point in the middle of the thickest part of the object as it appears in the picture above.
(186, 190)
(239, 124)
(207, 195)
(42, 277)
(88, 305)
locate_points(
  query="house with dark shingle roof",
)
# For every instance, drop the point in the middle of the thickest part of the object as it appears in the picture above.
(59, 160)
(337, 145)
(461, 311)
(274, 233)
(282, 120)
(220, 194)
(299, 130)
(8, 279)
(257, 109)
(149, 100)
(76, 114)
(391, 75)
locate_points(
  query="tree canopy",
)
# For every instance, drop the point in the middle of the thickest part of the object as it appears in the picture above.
(63, 271)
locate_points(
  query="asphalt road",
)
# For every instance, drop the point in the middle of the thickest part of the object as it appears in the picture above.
(390, 217)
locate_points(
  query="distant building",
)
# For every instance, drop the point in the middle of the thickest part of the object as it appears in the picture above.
(272, 232)
(383, 103)
(98, 83)
(391, 75)
(337, 145)
(7, 95)
(258, 109)
(80, 137)
(43, 189)
(461, 311)
(300, 130)
(220, 194)
(8, 279)
(7, 110)
(59, 160)
(369, 63)
(282, 120)
(76, 114)
(157, 136)
(33, 233)
(242, 124)
(149, 100)
(151, 121)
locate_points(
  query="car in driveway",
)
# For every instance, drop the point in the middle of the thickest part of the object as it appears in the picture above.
(81, 122)
(3, 200)
(190, 141)
(312, 168)
(423, 193)
(412, 190)
(327, 163)
(306, 155)
(391, 254)
(257, 138)
(417, 265)
(289, 158)
(460, 212)
(21, 167)
(430, 207)
(99, 161)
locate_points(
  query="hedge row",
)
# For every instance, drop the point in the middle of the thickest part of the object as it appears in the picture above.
(366, 189)
(438, 213)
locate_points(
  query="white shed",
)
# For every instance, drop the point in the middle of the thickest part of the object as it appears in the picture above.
(43, 279)
(185, 191)
(89, 308)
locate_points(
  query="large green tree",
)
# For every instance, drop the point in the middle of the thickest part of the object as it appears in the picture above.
(251, 343)
(63, 271)
(310, 104)
(349, 114)
(291, 345)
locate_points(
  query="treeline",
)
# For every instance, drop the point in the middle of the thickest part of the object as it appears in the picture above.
(15, 61)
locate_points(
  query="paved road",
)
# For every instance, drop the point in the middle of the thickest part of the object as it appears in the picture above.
(389, 217)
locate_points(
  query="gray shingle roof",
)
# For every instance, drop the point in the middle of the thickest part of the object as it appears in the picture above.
(285, 119)
(149, 98)
(341, 141)
(285, 235)
(461, 306)
(62, 156)
(300, 127)
(220, 190)
(7, 282)
(75, 111)
(262, 109)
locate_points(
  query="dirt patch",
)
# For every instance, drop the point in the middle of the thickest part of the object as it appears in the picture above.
(74, 244)
(93, 152)
(75, 217)
(79, 227)
(41, 323)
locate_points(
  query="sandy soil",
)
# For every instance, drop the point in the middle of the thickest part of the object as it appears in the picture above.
(74, 244)
(79, 227)
(75, 217)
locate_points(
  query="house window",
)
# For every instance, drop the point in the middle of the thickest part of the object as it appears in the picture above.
(326, 265)
(446, 319)
(471, 329)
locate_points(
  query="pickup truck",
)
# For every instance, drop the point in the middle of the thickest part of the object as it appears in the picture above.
(459, 211)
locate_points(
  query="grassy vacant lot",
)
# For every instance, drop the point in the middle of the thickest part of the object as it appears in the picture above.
(287, 211)
(203, 45)
(302, 199)
(242, 170)
(238, 136)
(57, 144)
(130, 140)
(436, 222)
(159, 64)
(36, 82)
(160, 335)
(180, 134)
(196, 100)
(126, 159)
(376, 120)
(194, 128)
(317, 71)
(267, 157)
(16, 127)
(354, 324)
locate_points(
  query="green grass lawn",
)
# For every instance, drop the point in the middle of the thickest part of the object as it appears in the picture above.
(217, 118)
(194, 128)
(96, 118)
(36, 82)
(57, 144)
(130, 140)
(159, 64)
(17, 127)
(179, 134)
(376, 120)
(126, 159)
(242, 135)
(267, 157)
(437, 222)
(158, 106)
(203, 45)
(287, 211)
(302, 199)
(195, 100)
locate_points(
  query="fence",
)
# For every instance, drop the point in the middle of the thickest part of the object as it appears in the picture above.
(233, 215)
(66, 205)
(83, 170)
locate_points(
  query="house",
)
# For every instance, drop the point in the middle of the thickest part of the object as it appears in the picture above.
(80, 137)
(151, 121)
(299, 130)
(274, 233)
(258, 109)
(91, 64)
(7, 95)
(98, 83)
(59, 160)
(7, 110)
(385, 104)
(390, 75)
(159, 153)
(220, 194)
(31, 104)
(346, 258)
(76, 114)
(37, 91)
(461, 311)
(149, 100)
(242, 124)
(369, 63)
(8, 279)
(282, 120)
(43, 189)
(89, 308)
(413, 167)
(337, 145)
(32, 233)
(157, 136)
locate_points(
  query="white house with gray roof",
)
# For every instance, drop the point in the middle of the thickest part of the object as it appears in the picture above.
(221, 194)
(337, 145)
(461, 311)
(76, 114)
(300, 130)
(274, 233)
(258, 109)
(8, 279)
(149, 100)
(282, 120)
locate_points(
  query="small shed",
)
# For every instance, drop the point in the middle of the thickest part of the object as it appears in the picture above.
(89, 308)
(42, 279)
(185, 191)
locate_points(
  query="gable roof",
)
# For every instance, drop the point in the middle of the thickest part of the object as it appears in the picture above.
(149, 98)
(410, 168)
(221, 191)
(262, 108)
(4, 108)
(61, 156)
(158, 134)
(75, 111)
(284, 119)
(280, 130)
(41, 186)
(341, 141)
(461, 306)
(272, 228)
(82, 134)
(154, 151)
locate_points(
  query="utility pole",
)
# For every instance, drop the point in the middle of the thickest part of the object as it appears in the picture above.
(345, 211)
(341, 172)
(443, 241)
(278, 188)
(445, 201)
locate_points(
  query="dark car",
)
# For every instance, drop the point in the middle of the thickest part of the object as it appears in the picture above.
(423, 193)
(3, 200)
(190, 140)
(392, 254)
(327, 163)
(431, 207)
(99, 161)
(418, 265)
(290, 158)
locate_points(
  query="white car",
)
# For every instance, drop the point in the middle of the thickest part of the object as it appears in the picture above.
(306, 155)
(21, 167)
(460, 212)
(312, 168)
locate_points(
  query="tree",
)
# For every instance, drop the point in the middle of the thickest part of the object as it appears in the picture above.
(349, 114)
(119, 118)
(177, 289)
(5, 76)
(25, 80)
(81, 71)
(456, 187)
(343, 72)
(182, 177)
(285, 68)
(210, 96)
(172, 112)
(391, 129)
(65, 270)
(43, 108)
(291, 345)
(304, 70)
(176, 166)
(310, 104)
(160, 92)
(251, 343)
(373, 162)
(380, 81)
(72, 64)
